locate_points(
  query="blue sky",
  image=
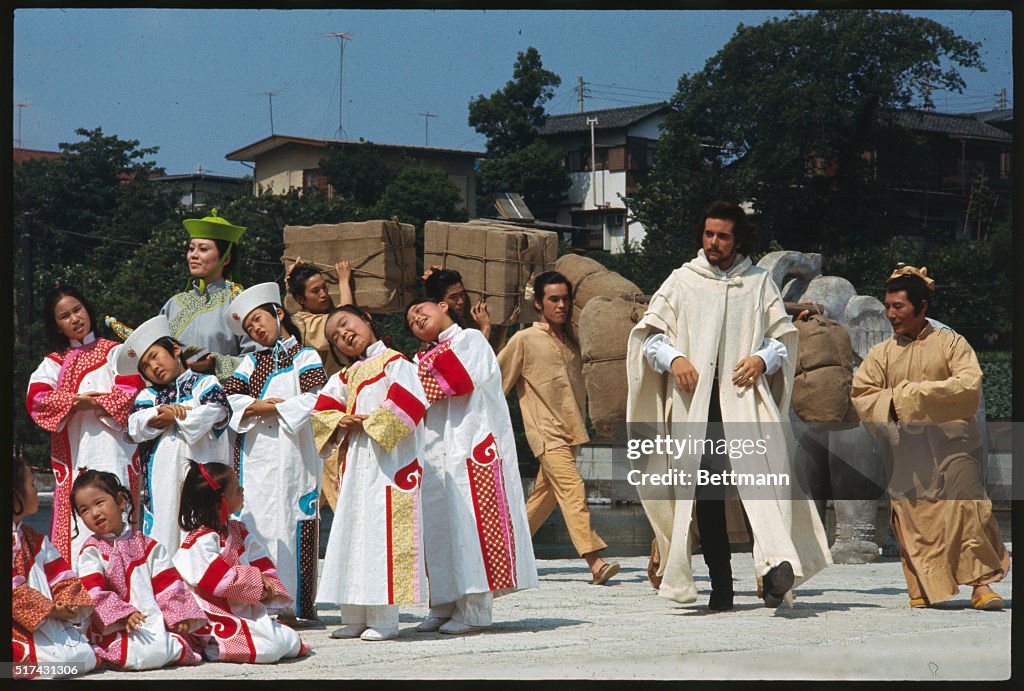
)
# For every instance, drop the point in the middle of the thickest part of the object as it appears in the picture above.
(193, 82)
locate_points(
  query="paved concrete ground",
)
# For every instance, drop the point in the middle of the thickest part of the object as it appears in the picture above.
(848, 622)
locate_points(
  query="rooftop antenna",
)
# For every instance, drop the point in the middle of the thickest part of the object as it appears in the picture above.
(426, 126)
(270, 96)
(343, 37)
(21, 106)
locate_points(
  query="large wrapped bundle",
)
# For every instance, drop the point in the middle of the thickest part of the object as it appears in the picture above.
(605, 324)
(496, 261)
(824, 374)
(382, 254)
(590, 279)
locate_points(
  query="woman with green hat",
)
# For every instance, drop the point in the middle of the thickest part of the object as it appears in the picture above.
(197, 317)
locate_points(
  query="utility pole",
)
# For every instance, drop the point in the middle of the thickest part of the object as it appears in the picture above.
(579, 92)
(343, 37)
(593, 161)
(426, 126)
(25, 104)
(270, 96)
(29, 295)
(1002, 99)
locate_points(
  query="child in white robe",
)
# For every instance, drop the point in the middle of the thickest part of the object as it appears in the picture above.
(48, 601)
(143, 608)
(231, 574)
(181, 416)
(272, 394)
(477, 538)
(374, 410)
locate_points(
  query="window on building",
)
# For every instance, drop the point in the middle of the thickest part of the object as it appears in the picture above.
(614, 220)
(574, 161)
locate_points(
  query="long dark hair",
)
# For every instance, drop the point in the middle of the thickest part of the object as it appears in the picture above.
(200, 503)
(743, 230)
(106, 482)
(20, 468)
(231, 267)
(55, 339)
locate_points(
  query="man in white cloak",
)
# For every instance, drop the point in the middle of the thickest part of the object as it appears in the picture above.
(716, 345)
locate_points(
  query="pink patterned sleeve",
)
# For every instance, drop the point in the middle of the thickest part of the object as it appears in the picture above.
(110, 610)
(47, 405)
(176, 601)
(118, 403)
(214, 575)
(257, 556)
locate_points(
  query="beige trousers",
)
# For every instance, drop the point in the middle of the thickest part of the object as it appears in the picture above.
(559, 483)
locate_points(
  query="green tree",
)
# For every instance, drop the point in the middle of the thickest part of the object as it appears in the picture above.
(786, 111)
(510, 119)
(511, 116)
(92, 197)
(81, 216)
(418, 195)
(358, 173)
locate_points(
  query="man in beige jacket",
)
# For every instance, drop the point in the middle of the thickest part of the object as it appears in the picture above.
(543, 364)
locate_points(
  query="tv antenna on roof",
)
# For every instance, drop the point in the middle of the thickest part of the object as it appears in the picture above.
(426, 126)
(270, 96)
(20, 106)
(343, 37)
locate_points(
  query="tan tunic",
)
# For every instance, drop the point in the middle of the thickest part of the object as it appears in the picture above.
(548, 377)
(311, 333)
(921, 397)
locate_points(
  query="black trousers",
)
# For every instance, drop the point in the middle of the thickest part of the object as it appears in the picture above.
(710, 507)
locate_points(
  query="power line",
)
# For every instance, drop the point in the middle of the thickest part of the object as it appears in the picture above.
(474, 137)
(139, 244)
(616, 100)
(630, 88)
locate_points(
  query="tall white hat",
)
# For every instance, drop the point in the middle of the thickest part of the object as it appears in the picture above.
(248, 300)
(136, 345)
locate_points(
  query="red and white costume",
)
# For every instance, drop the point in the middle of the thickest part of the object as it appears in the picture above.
(88, 439)
(40, 578)
(374, 554)
(225, 574)
(132, 573)
(476, 538)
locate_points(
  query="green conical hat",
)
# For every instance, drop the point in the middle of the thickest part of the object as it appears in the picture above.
(213, 227)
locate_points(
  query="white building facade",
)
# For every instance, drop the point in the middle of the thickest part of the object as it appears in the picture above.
(606, 161)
